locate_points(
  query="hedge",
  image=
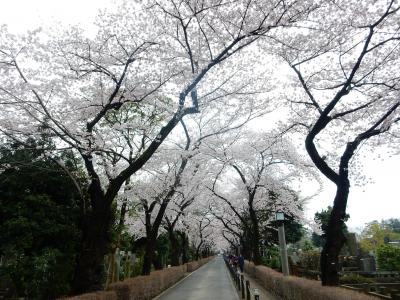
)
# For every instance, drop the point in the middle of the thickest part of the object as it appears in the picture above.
(144, 287)
(101, 295)
(296, 288)
(147, 287)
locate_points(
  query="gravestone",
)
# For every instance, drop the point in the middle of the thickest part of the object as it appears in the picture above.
(117, 260)
(367, 264)
(351, 242)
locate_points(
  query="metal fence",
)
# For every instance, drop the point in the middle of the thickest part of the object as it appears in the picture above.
(242, 286)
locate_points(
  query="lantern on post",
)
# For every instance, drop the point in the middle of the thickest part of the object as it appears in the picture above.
(280, 218)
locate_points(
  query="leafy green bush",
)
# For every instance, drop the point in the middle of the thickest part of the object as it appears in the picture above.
(353, 278)
(42, 275)
(39, 248)
(272, 258)
(388, 258)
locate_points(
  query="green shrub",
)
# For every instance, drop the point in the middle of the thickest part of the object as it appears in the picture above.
(353, 278)
(388, 258)
(272, 258)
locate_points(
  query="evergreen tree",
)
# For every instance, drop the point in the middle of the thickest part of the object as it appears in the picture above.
(323, 218)
(40, 209)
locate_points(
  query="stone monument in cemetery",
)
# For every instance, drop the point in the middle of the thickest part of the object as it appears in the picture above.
(350, 254)
(367, 264)
(351, 242)
(129, 264)
(117, 260)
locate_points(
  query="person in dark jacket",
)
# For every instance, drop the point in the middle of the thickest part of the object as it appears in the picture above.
(241, 262)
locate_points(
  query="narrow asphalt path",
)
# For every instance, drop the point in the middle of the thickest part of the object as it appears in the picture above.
(210, 282)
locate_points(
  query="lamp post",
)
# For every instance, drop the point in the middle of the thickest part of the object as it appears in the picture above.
(280, 218)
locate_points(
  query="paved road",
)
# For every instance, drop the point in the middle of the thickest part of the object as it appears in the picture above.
(210, 282)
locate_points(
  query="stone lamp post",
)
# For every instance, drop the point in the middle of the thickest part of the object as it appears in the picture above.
(280, 218)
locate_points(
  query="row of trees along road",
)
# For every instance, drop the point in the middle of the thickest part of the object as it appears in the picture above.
(252, 183)
(170, 183)
(115, 98)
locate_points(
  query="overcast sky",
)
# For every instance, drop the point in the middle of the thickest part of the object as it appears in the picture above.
(375, 201)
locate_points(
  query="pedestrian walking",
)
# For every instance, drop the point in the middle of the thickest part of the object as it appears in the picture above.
(241, 262)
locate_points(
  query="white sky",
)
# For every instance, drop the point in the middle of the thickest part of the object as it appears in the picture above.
(375, 201)
(22, 15)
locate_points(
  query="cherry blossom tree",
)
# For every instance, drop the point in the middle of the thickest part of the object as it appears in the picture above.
(189, 192)
(347, 96)
(261, 168)
(70, 83)
(155, 192)
(177, 174)
(171, 225)
(203, 230)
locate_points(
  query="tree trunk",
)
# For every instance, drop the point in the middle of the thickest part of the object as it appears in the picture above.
(197, 255)
(149, 254)
(115, 247)
(185, 246)
(255, 237)
(256, 248)
(175, 251)
(335, 237)
(89, 271)
(157, 262)
(245, 249)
